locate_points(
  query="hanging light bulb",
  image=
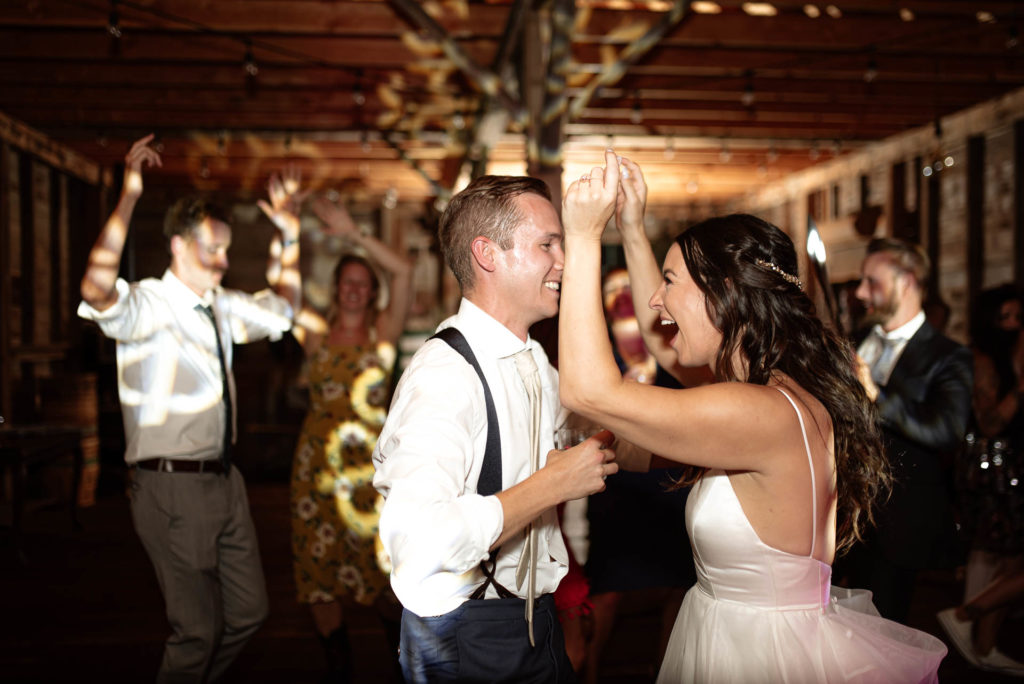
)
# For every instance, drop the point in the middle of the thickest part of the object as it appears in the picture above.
(748, 97)
(248, 62)
(358, 96)
(114, 21)
(871, 73)
(636, 115)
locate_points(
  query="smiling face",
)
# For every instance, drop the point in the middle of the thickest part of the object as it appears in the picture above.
(200, 259)
(882, 289)
(530, 273)
(682, 304)
(356, 290)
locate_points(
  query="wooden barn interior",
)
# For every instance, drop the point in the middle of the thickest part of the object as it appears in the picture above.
(863, 118)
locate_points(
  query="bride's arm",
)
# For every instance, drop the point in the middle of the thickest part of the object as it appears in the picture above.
(585, 354)
(644, 273)
(714, 425)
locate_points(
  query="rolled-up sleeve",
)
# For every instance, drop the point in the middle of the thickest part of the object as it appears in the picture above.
(263, 314)
(434, 526)
(131, 317)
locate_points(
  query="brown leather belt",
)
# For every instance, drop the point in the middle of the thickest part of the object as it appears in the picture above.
(170, 465)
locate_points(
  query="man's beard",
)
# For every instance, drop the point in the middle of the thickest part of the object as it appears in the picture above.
(882, 313)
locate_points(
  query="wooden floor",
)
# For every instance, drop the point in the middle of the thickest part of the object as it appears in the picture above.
(86, 607)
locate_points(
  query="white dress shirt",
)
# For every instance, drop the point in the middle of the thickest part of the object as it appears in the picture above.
(871, 348)
(434, 525)
(168, 370)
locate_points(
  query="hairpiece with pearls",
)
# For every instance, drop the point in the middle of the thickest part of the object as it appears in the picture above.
(788, 277)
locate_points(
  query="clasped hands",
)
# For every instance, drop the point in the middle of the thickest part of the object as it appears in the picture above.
(589, 202)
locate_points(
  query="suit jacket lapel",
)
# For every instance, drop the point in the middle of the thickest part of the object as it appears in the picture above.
(914, 353)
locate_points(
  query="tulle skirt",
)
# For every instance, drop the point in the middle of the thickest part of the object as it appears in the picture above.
(846, 641)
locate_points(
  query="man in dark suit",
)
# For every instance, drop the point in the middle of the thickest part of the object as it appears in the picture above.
(921, 383)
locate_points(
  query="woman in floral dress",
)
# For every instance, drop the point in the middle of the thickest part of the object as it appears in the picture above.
(337, 554)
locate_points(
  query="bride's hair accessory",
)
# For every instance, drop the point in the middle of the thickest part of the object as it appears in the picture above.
(788, 277)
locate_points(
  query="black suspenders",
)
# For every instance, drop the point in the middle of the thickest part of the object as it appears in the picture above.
(490, 473)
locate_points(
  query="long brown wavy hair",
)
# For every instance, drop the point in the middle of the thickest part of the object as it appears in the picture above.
(773, 323)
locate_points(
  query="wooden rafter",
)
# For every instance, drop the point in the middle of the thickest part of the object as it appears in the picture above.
(486, 80)
(630, 55)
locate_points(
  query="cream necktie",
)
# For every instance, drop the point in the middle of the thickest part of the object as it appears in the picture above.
(527, 567)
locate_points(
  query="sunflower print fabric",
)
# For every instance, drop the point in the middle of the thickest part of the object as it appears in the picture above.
(335, 508)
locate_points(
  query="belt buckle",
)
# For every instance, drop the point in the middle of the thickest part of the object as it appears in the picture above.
(166, 465)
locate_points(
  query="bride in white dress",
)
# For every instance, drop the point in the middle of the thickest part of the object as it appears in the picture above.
(783, 446)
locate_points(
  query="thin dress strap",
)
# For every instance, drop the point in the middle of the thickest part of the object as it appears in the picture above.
(814, 489)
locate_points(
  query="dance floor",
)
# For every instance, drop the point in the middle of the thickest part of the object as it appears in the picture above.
(83, 606)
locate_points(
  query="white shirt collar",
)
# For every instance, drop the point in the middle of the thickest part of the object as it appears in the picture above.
(500, 341)
(184, 295)
(904, 332)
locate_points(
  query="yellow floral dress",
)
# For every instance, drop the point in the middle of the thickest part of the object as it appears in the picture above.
(335, 509)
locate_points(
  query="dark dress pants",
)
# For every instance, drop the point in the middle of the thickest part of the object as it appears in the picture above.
(198, 532)
(486, 641)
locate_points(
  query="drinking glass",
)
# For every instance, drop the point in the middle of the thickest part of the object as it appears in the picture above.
(567, 437)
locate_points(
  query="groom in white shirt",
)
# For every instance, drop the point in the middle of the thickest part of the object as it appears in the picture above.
(466, 615)
(174, 349)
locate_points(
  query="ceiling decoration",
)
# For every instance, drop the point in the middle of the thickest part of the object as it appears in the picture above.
(375, 95)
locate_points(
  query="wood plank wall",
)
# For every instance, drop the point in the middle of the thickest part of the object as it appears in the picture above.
(48, 220)
(969, 216)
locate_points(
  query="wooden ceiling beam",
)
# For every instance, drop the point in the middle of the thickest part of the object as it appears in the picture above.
(183, 49)
(760, 60)
(485, 80)
(267, 17)
(631, 54)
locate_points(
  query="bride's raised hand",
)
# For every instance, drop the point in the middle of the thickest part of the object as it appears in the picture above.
(590, 201)
(631, 199)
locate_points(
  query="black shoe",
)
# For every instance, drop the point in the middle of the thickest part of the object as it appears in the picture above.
(339, 657)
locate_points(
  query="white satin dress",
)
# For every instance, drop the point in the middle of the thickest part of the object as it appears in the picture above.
(758, 614)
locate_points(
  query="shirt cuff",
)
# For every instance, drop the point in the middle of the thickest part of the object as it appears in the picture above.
(89, 313)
